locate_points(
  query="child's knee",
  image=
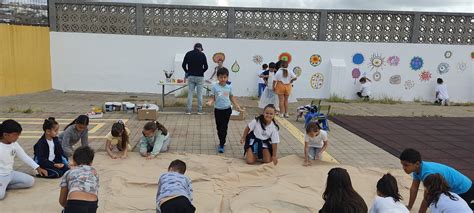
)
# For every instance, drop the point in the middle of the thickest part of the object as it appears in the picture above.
(29, 182)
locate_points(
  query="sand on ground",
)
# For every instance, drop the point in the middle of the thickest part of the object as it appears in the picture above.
(220, 185)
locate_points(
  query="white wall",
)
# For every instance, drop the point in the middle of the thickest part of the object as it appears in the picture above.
(130, 63)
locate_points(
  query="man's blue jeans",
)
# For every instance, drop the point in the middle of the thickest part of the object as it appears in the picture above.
(195, 82)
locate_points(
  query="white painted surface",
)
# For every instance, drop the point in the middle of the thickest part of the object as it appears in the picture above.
(125, 63)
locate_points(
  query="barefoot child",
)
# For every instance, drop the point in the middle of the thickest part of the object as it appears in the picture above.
(315, 142)
(48, 151)
(117, 144)
(222, 100)
(75, 131)
(388, 198)
(261, 138)
(155, 139)
(175, 193)
(440, 198)
(10, 131)
(80, 185)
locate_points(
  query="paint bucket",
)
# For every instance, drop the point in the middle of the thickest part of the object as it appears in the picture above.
(109, 106)
(130, 107)
(117, 106)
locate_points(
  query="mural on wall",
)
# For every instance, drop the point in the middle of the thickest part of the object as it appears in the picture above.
(317, 81)
(377, 76)
(235, 67)
(409, 84)
(416, 63)
(297, 71)
(461, 66)
(448, 54)
(218, 56)
(355, 74)
(376, 62)
(443, 68)
(393, 60)
(395, 79)
(285, 57)
(258, 59)
(315, 60)
(425, 75)
(472, 55)
(358, 58)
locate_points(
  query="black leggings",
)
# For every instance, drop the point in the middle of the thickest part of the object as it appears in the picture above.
(222, 117)
(179, 204)
(81, 206)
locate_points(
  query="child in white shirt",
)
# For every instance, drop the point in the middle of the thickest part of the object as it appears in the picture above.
(440, 199)
(315, 142)
(441, 96)
(388, 198)
(10, 131)
(364, 88)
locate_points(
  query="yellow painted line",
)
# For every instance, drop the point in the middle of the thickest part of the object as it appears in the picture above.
(97, 127)
(300, 137)
(29, 122)
(31, 136)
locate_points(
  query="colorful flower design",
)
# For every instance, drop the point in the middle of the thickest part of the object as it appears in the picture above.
(297, 71)
(358, 58)
(393, 60)
(355, 74)
(425, 75)
(376, 62)
(317, 81)
(258, 59)
(315, 60)
(395, 79)
(377, 76)
(285, 57)
(218, 56)
(416, 63)
(235, 67)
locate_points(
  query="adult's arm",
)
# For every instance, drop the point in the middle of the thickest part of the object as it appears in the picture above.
(205, 66)
(185, 62)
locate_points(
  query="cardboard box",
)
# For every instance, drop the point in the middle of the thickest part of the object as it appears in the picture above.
(236, 115)
(147, 114)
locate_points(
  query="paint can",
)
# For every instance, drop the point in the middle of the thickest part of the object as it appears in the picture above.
(109, 106)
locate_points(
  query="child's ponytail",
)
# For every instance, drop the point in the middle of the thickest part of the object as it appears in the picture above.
(9, 126)
(284, 66)
(162, 128)
(49, 123)
(154, 126)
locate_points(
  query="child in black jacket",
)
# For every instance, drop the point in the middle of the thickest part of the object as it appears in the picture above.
(56, 162)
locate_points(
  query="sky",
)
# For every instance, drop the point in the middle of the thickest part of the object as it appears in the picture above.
(457, 6)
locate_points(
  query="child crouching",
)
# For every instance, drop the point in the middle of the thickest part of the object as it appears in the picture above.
(175, 193)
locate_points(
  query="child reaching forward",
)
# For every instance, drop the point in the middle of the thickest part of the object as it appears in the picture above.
(441, 94)
(364, 88)
(261, 138)
(440, 199)
(155, 139)
(48, 151)
(315, 142)
(117, 144)
(10, 131)
(222, 99)
(75, 131)
(388, 198)
(80, 185)
(175, 193)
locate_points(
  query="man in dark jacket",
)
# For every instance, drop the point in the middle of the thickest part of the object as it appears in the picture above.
(195, 64)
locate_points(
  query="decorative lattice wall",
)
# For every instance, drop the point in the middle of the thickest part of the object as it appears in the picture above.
(259, 23)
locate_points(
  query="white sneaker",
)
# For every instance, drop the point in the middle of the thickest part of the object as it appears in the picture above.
(187, 113)
(281, 115)
(286, 115)
(200, 113)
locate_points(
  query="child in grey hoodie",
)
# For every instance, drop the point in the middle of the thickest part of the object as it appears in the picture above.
(76, 130)
(175, 193)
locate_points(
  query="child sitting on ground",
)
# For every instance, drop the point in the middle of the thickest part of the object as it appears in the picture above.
(10, 131)
(222, 98)
(261, 138)
(364, 89)
(175, 193)
(315, 142)
(80, 185)
(48, 151)
(75, 131)
(440, 199)
(458, 183)
(117, 144)
(388, 198)
(340, 196)
(155, 139)
(441, 90)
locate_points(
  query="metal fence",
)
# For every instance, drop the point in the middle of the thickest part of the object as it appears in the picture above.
(25, 12)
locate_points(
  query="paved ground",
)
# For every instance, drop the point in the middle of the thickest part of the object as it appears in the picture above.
(444, 140)
(196, 134)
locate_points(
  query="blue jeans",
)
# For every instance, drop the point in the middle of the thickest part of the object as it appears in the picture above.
(195, 82)
(261, 87)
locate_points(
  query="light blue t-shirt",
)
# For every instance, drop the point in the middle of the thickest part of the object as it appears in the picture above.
(222, 95)
(458, 182)
(173, 184)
